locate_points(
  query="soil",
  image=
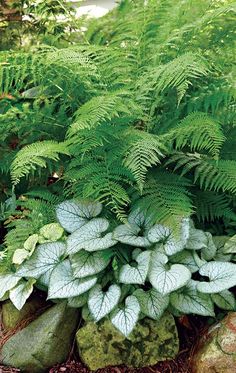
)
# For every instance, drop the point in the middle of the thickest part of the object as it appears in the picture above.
(190, 330)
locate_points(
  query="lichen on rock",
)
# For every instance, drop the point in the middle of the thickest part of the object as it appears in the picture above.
(101, 344)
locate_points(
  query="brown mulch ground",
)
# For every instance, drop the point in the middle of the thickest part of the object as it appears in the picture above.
(190, 329)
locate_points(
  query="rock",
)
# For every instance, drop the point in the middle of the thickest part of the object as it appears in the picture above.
(101, 344)
(217, 349)
(11, 316)
(44, 342)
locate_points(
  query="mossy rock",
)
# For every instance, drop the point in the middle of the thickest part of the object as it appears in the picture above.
(11, 316)
(45, 342)
(101, 345)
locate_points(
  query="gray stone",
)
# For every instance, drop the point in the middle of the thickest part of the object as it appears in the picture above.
(101, 344)
(44, 342)
(217, 349)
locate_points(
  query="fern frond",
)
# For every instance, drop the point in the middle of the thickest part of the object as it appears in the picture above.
(199, 132)
(144, 153)
(103, 108)
(211, 206)
(210, 174)
(35, 155)
(44, 194)
(178, 73)
(165, 198)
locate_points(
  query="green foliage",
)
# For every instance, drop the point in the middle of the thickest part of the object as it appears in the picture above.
(124, 273)
(24, 23)
(141, 114)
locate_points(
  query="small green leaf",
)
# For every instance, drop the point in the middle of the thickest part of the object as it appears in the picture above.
(126, 318)
(225, 300)
(31, 243)
(102, 303)
(230, 246)
(52, 232)
(19, 256)
(79, 301)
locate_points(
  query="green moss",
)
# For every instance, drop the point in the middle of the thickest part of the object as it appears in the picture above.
(151, 341)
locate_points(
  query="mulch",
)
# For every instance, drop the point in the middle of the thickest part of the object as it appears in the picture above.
(190, 330)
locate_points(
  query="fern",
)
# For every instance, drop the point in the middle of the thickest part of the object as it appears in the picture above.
(101, 109)
(165, 198)
(212, 206)
(199, 132)
(35, 155)
(211, 174)
(143, 154)
(145, 99)
(176, 74)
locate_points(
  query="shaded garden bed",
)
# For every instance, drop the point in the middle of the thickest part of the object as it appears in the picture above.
(190, 330)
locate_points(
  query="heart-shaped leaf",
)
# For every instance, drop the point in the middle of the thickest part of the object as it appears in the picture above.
(138, 274)
(85, 263)
(152, 303)
(44, 258)
(173, 246)
(209, 252)
(102, 303)
(137, 217)
(220, 242)
(186, 258)
(159, 233)
(73, 215)
(166, 280)
(20, 293)
(90, 238)
(190, 300)
(130, 234)
(7, 282)
(225, 300)
(197, 240)
(62, 283)
(222, 276)
(126, 318)
(79, 301)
